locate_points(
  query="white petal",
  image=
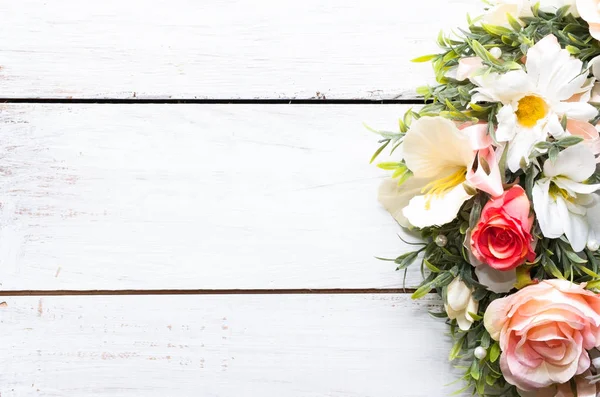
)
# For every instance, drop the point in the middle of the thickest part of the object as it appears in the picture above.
(463, 323)
(423, 211)
(394, 198)
(576, 162)
(595, 67)
(472, 307)
(504, 88)
(521, 146)
(593, 220)
(576, 227)
(434, 145)
(507, 124)
(575, 110)
(545, 210)
(497, 281)
(458, 295)
(573, 187)
(554, 127)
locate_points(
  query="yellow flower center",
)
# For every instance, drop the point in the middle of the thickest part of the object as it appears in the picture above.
(440, 187)
(556, 191)
(531, 109)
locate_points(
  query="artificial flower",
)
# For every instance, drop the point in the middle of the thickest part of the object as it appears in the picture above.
(562, 200)
(502, 237)
(498, 13)
(443, 160)
(583, 387)
(544, 331)
(460, 304)
(534, 101)
(468, 67)
(589, 11)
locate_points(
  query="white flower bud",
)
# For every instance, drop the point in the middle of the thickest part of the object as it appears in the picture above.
(460, 303)
(593, 245)
(596, 362)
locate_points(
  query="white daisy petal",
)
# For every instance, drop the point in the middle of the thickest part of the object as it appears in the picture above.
(576, 110)
(520, 147)
(507, 122)
(554, 127)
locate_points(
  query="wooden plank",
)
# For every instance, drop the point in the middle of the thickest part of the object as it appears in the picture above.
(195, 197)
(293, 345)
(220, 49)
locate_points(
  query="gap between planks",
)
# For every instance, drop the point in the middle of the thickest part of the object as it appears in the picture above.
(290, 291)
(232, 101)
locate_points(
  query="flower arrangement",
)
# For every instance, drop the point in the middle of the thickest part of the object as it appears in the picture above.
(498, 174)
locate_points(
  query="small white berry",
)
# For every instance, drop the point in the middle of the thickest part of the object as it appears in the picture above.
(441, 240)
(593, 245)
(480, 353)
(596, 362)
(496, 52)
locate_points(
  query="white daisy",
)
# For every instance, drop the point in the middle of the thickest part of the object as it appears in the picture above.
(535, 100)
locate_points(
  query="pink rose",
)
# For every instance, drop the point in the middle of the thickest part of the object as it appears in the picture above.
(544, 331)
(583, 387)
(502, 237)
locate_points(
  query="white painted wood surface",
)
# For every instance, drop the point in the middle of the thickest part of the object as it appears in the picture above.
(271, 346)
(194, 196)
(220, 49)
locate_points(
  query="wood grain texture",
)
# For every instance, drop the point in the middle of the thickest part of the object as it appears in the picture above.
(354, 345)
(220, 49)
(194, 197)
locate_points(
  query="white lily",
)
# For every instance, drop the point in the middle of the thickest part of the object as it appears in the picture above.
(443, 160)
(535, 100)
(561, 200)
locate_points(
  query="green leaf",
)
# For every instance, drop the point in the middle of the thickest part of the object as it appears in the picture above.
(378, 151)
(424, 58)
(475, 370)
(390, 165)
(553, 153)
(482, 53)
(573, 257)
(494, 352)
(456, 349)
(569, 140)
(422, 291)
(406, 260)
(572, 50)
(563, 122)
(475, 316)
(513, 22)
(430, 266)
(550, 266)
(495, 30)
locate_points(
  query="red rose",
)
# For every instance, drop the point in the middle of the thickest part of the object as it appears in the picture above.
(502, 237)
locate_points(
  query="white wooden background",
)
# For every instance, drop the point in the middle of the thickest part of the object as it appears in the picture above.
(205, 249)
